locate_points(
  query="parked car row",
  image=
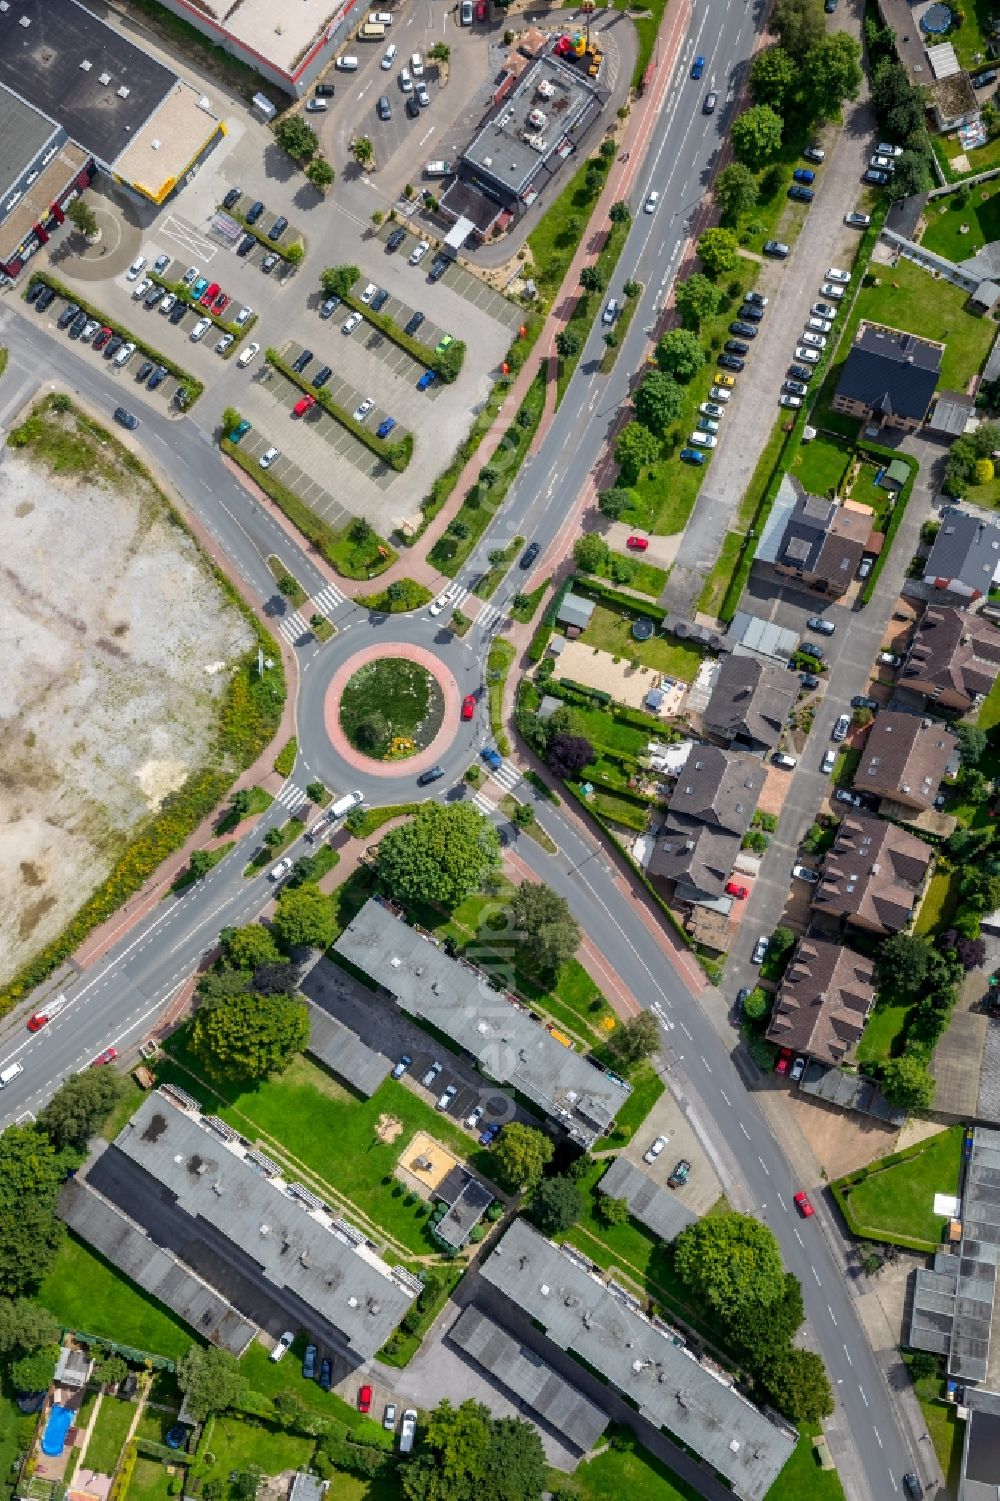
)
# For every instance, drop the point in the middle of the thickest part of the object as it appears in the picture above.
(882, 165)
(115, 348)
(733, 358)
(446, 1099)
(803, 178)
(813, 339)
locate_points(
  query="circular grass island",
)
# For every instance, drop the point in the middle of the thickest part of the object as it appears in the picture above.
(391, 708)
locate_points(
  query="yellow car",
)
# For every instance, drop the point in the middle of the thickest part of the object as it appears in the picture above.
(723, 380)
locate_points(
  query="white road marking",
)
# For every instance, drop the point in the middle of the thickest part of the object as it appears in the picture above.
(816, 1276)
(746, 1133)
(877, 1435)
(848, 1354)
(764, 1165)
(832, 1314)
(726, 1098)
(863, 1397)
(706, 1062)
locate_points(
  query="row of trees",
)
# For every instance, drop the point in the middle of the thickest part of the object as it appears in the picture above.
(899, 105)
(966, 456)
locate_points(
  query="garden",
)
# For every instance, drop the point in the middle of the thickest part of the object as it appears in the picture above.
(960, 223)
(391, 708)
(610, 630)
(894, 1200)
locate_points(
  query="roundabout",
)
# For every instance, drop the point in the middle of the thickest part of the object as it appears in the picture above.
(391, 710)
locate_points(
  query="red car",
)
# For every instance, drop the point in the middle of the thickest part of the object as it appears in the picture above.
(108, 1056)
(36, 1023)
(481, 11)
(210, 294)
(638, 544)
(733, 889)
(468, 705)
(365, 1399)
(784, 1059)
(102, 338)
(221, 303)
(305, 404)
(802, 1204)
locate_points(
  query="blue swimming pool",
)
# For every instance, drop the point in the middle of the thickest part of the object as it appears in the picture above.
(54, 1437)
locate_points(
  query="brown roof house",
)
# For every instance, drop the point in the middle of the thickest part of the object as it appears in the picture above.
(954, 658)
(889, 377)
(872, 875)
(817, 542)
(709, 812)
(824, 1000)
(751, 701)
(905, 758)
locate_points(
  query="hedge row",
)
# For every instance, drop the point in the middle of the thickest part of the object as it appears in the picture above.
(540, 640)
(415, 348)
(597, 694)
(183, 294)
(263, 239)
(594, 586)
(876, 451)
(195, 386)
(397, 454)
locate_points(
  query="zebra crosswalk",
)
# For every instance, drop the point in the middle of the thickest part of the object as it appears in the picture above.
(506, 774)
(293, 627)
(457, 595)
(482, 802)
(326, 601)
(488, 617)
(291, 797)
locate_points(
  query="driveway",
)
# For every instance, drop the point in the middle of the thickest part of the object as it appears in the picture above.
(667, 1119)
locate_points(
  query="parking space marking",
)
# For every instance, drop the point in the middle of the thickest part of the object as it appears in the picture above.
(188, 236)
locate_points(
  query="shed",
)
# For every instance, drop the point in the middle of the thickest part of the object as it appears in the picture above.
(895, 476)
(984, 298)
(575, 612)
(72, 1367)
(951, 412)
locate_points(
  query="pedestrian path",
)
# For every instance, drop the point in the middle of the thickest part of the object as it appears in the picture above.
(489, 617)
(482, 802)
(291, 797)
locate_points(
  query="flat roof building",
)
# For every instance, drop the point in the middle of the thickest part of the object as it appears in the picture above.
(489, 1024)
(658, 1208)
(642, 1358)
(289, 45)
(41, 172)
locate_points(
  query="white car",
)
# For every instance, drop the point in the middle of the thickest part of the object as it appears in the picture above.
(380, 18)
(651, 1153)
(89, 329)
(405, 81)
(277, 872)
(882, 164)
(804, 873)
(141, 289)
(789, 401)
(841, 728)
(720, 393)
(190, 276)
(798, 1069)
(819, 325)
(443, 1101)
(810, 356)
(423, 98)
(350, 323)
(168, 303)
(243, 316)
(161, 263)
(703, 440)
(830, 289)
(417, 65)
(136, 269)
(408, 1430)
(418, 252)
(368, 293)
(249, 354)
(828, 762)
(441, 603)
(124, 354)
(362, 411)
(472, 1121)
(711, 409)
(856, 220)
(283, 1346)
(200, 329)
(759, 950)
(388, 57)
(224, 343)
(267, 459)
(817, 341)
(884, 149)
(649, 207)
(834, 274)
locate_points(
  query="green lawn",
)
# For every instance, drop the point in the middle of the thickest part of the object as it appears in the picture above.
(555, 238)
(108, 1435)
(351, 1488)
(86, 1294)
(647, 1086)
(803, 1477)
(821, 465)
(883, 1030)
(156, 1422)
(646, 577)
(149, 1482)
(602, 731)
(942, 1423)
(940, 902)
(637, 1252)
(269, 1377)
(899, 1200)
(945, 216)
(989, 714)
(844, 767)
(615, 1474)
(238, 1443)
(16, 1433)
(398, 697)
(714, 592)
(611, 631)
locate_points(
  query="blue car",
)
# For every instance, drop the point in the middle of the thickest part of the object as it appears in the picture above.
(692, 456)
(309, 1363)
(489, 1135)
(386, 427)
(800, 194)
(199, 287)
(698, 67)
(803, 174)
(492, 757)
(427, 379)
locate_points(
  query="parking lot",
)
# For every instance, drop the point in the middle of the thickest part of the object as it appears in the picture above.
(317, 423)
(128, 372)
(288, 473)
(495, 304)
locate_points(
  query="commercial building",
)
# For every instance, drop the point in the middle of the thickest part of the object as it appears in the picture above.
(824, 1000)
(710, 809)
(889, 377)
(750, 702)
(491, 1025)
(905, 757)
(643, 1358)
(981, 1448)
(41, 172)
(965, 556)
(872, 875)
(213, 1213)
(953, 660)
(289, 45)
(816, 543)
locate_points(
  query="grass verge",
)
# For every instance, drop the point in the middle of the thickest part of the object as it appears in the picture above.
(498, 664)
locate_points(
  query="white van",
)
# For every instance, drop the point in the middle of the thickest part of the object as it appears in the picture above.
(390, 57)
(10, 1072)
(437, 169)
(343, 805)
(347, 64)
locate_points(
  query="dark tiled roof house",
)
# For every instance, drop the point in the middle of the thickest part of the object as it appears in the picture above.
(954, 658)
(889, 378)
(750, 702)
(709, 812)
(965, 558)
(823, 543)
(872, 875)
(904, 758)
(824, 1000)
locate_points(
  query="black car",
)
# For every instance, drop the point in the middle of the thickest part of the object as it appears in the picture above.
(736, 346)
(78, 325)
(412, 107)
(300, 364)
(810, 649)
(157, 378)
(983, 80)
(254, 212)
(800, 194)
(730, 362)
(326, 1373)
(329, 307)
(876, 178)
(47, 297)
(530, 554)
(809, 680)
(859, 701)
(795, 388)
(153, 296)
(745, 330)
(800, 372)
(324, 91)
(432, 774)
(394, 241)
(127, 419)
(414, 323)
(911, 1484)
(277, 228)
(757, 298)
(322, 376)
(439, 266)
(379, 301)
(113, 345)
(777, 248)
(309, 1363)
(829, 6)
(742, 995)
(177, 312)
(232, 198)
(751, 311)
(67, 315)
(384, 108)
(144, 370)
(269, 262)
(246, 245)
(34, 291)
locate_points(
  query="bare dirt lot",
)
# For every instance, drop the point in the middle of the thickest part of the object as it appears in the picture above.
(116, 642)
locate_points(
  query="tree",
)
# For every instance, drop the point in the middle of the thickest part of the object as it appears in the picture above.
(515, 1461)
(363, 151)
(974, 786)
(923, 1365)
(520, 1156)
(320, 173)
(798, 1385)
(593, 279)
(250, 1035)
(556, 1204)
(465, 1453)
(902, 959)
(591, 552)
(613, 1211)
(718, 251)
(973, 743)
(25, 1326)
(231, 419)
(658, 401)
(316, 792)
(440, 52)
(696, 299)
(782, 939)
(798, 25)
(831, 73)
(757, 1005)
(199, 864)
(569, 754)
(304, 916)
(635, 449)
(524, 815)
(82, 217)
(245, 948)
(907, 1082)
(614, 503)
(730, 1260)
(568, 343)
(971, 951)
(761, 1331)
(79, 1106)
(618, 213)
(210, 1379)
(373, 732)
(679, 354)
(296, 137)
(441, 855)
(448, 362)
(736, 192)
(109, 1369)
(553, 932)
(337, 281)
(756, 135)
(30, 1234)
(772, 74)
(33, 1373)
(635, 1039)
(912, 175)
(276, 979)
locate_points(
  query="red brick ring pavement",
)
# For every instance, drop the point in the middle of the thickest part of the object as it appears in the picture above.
(411, 764)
